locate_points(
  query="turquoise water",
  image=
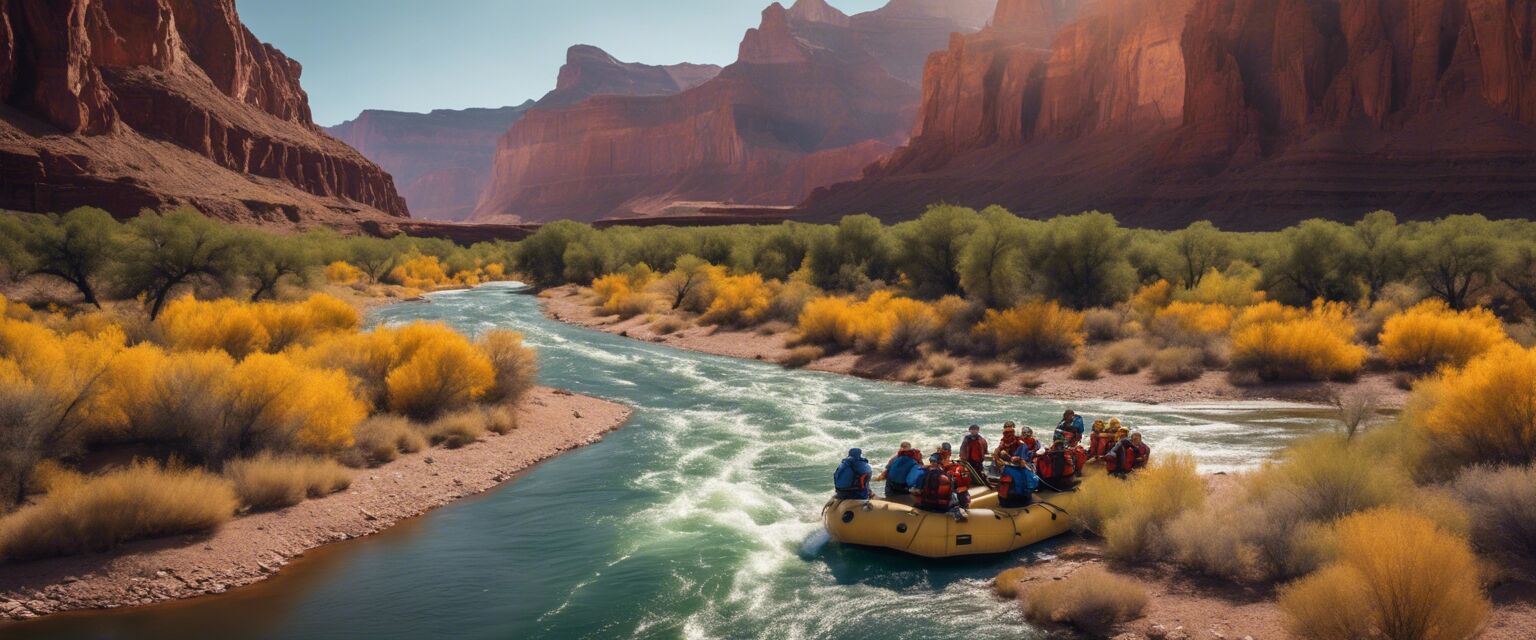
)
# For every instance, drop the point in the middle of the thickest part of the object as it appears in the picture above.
(697, 519)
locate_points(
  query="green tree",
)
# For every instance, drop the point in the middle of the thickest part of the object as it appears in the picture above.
(993, 265)
(1456, 255)
(1313, 260)
(15, 261)
(1197, 249)
(929, 248)
(268, 261)
(375, 257)
(859, 251)
(541, 256)
(77, 247)
(1081, 260)
(164, 251)
(1383, 251)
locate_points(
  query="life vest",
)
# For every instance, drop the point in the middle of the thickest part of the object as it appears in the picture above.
(1073, 430)
(1141, 455)
(1027, 448)
(897, 470)
(936, 489)
(914, 454)
(852, 475)
(961, 477)
(973, 449)
(1055, 463)
(1079, 457)
(1008, 443)
(1016, 481)
(1123, 457)
(1099, 444)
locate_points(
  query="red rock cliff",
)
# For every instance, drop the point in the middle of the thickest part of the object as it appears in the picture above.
(125, 104)
(1252, 113)
(806, 104)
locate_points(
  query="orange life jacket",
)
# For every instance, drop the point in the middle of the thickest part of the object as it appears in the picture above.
(973, 449)
(1127, 458)
(936, 489)
(1099, 444)
(1055, 463)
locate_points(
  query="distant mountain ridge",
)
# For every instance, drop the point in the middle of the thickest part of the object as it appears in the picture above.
(808, 102)
(442, 159)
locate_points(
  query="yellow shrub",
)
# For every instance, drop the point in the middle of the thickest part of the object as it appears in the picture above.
(623, 293)
(1148, 299)
(274, 402)
(1008, 581)
(305, 322)
(384, 437)
(1090, 599)
(63, 377)
(1237, 288)
(420, 272)
(189, 324)
(458, 429)
(739, 300)
(1431, 334)
(1270, 312)
(884, 322)
(1033, 331)
(1330, 473)
(911, 323)
(367, 358)
(495, 271)
(439, 371)
(517, 366)
(1192, 322)
(824, 321)
(1155, 496)
(269, 481)
(95, 514)
(342, 273)
(1484, 412)
(1280, 344)
(1397, 576)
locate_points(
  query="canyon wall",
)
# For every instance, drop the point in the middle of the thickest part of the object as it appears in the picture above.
(1251, 113)
(127, 104)
(442, 160)
(808, 102)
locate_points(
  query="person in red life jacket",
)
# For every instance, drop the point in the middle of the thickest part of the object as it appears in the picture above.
(973, 449)
(898, 468)
(1071, 426)
(1029, 445)
(1056, 467)
(1005, 448)
(1017, 484)
(1099, 441)
(935, 488)
(1128, 455)
(1079, 457)
(962, 479)
(851, 480)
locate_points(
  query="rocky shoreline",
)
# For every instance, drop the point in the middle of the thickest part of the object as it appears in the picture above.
(251, 548)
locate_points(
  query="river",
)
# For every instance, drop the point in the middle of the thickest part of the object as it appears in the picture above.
(697, 519)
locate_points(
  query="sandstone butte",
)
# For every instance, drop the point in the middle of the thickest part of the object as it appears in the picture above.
(442, 160)
(1251, 113)
(813, 97)
(128, 104)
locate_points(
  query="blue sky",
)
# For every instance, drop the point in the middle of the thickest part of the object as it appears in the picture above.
(419, 55)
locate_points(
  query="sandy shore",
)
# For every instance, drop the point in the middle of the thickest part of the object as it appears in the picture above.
(569, 304)
(250, 548)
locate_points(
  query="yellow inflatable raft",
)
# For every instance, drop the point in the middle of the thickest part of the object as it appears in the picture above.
(988, 528)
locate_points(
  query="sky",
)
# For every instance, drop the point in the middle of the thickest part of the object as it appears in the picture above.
(419, 55)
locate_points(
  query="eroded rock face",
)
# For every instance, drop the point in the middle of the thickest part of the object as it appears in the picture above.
(1253, 113)
(806, 104)
(589, 71)
(126, 104)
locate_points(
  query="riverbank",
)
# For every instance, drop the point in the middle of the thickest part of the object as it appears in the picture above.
(251, 548)
(569, 304)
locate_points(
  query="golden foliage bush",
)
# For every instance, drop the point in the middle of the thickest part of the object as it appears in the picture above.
(1431, 334)
(274, 402)
(1276, 343)
(344, 274)
(623, 295)
(1330, 474)
(1237, 287)
(420, 272)
(988, 376)
(1177, 364)
(1397, 576)
(1484, 412)
(1128, 356)
(883, 322)
(1148, 299)
(438, 371)
(516, 366)
(1105, 325)
(1086, 369)
(269, 481)
(1154, 496)
(1033, 331)
(739, 300)
(1008, 581)
(95, 514)
(1191, 323)
(458, 429)
(243, 328)
(801, 356)
(382, 438)
(1091, 599)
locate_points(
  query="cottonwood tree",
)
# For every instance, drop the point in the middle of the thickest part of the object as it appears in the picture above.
(161, 252)
(1383, 251)
(77, 247)
(541, 256)
(268, 261)
(1199, 248)
(1081, 260)
(1313, 260)
(1456, 255)
(859, 251)
(993, 265)
(929, 248)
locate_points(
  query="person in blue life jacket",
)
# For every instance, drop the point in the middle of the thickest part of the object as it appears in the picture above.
(899, 468)
(1017, 486)
(851, 479)
(1071, 426)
